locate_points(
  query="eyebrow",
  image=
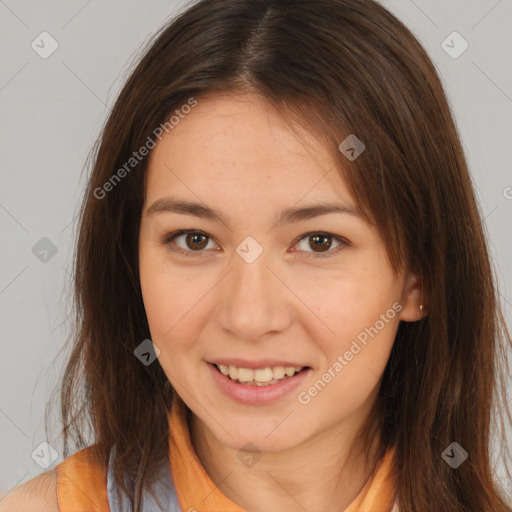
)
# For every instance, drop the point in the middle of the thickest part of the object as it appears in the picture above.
(293, 214)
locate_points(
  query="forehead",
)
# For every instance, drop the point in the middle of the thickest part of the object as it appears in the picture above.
(241, 144)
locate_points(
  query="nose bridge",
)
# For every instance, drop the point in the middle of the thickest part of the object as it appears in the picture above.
(254, 298)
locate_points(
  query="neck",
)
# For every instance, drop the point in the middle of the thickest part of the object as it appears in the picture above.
(326, 473)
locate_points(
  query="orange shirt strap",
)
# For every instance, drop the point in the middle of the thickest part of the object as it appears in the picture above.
(195, 489)
(82, 483)
(379, 492)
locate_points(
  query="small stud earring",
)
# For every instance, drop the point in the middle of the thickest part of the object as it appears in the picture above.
(421, 307)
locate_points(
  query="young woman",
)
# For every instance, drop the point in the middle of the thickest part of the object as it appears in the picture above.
(284, 294)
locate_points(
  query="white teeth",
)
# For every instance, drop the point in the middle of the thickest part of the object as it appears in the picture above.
(278, 372)
(259, 376)
(233, 372)
(263, 375)
(245, 374)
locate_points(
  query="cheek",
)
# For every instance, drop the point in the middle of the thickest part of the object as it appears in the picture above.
(163, 291)
(344, 306)
(355, 317)
(174, 305)
(156, 296)
(354, 362)
(165, 306)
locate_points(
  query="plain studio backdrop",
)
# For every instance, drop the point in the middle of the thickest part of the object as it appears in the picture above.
(62, 65)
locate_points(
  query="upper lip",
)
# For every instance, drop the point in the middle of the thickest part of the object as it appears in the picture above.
(261, 363)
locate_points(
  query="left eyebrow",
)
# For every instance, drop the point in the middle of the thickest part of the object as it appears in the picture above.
(293, 214)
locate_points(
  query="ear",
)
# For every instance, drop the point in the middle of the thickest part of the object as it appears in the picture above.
(411, 299)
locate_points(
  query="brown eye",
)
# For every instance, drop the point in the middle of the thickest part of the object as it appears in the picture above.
(320, 244)
(196, 241)
(187, 242)
(320, 241)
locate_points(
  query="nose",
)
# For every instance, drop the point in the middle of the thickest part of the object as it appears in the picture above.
(256, 303)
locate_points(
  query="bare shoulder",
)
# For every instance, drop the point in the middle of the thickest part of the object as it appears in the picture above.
(36, 495)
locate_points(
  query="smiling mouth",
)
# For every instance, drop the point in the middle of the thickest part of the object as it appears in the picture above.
(260, 376)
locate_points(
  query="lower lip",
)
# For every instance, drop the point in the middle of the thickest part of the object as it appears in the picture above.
(256, 395)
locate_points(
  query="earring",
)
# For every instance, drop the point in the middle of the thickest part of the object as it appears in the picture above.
(421, 307)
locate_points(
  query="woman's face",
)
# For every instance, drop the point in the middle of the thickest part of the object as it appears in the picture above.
(314, 290)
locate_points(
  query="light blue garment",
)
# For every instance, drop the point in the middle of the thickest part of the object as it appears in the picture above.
(163, 489)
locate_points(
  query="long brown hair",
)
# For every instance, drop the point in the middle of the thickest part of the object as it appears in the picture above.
(339, 67)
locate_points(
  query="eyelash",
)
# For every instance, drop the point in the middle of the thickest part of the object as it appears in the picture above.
(189, 253)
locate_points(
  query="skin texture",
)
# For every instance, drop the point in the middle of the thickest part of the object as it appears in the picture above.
(236, 154)
(35, 495)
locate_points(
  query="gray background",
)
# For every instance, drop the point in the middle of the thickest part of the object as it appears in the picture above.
(53, 109)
